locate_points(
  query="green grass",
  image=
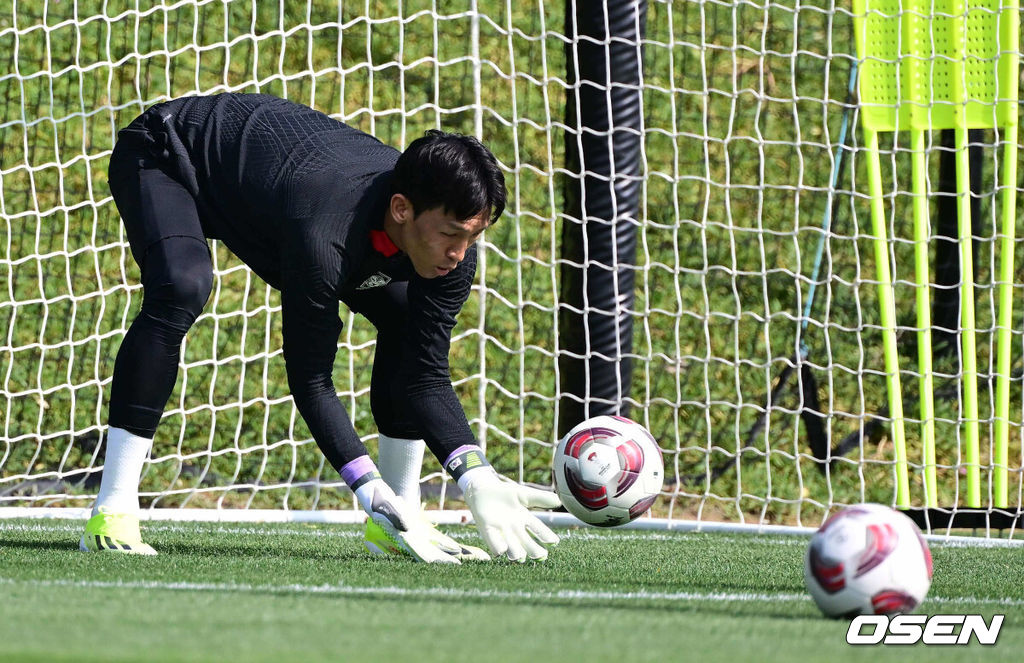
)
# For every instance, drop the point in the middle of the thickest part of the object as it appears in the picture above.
(310, 592)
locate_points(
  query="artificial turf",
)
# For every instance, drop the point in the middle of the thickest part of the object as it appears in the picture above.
(296, 592)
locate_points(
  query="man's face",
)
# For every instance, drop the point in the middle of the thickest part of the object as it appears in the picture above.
(435, 241)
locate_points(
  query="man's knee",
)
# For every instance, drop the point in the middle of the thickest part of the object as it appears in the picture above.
(190, 289)
(177, 280)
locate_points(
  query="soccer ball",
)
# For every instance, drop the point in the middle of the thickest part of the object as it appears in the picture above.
(868, 560)
(608, 470)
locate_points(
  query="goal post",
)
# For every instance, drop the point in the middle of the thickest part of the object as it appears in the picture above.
(602, 187)
(757, 356)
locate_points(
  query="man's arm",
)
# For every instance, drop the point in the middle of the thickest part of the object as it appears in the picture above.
(310, 339)
(499, 506)
(433, 305)
(311, 332)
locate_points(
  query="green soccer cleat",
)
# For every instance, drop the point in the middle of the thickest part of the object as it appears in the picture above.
(114, 532)
(378, 542)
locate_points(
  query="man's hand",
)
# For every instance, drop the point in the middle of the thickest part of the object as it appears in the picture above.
(397, 529)
(499, 507)
(454, 548)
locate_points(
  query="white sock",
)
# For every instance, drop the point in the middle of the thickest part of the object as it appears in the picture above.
(400, 463)
(119, 487)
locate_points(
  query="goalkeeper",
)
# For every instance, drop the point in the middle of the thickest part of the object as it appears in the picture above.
(324, 213)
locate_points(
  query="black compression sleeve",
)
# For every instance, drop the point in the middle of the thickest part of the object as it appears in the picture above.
(311, 327)
(433, 305)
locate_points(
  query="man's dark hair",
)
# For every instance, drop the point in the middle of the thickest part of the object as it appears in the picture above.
(453, 172)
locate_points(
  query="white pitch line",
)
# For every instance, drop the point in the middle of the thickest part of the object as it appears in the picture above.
(165, 527)
(454, 532)
(449, 517)
(407, 592)
(447, 592)
(468, 532)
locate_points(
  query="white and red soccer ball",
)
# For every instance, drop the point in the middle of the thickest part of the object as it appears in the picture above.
(868, 559)
(608, 470)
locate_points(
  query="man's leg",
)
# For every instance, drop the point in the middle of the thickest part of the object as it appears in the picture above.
(400, 462)
(400, 446)
(177, 278)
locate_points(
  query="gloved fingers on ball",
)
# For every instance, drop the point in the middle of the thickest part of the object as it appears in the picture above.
(534, 498)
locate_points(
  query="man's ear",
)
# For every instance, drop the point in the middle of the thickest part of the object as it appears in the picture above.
(401, 208)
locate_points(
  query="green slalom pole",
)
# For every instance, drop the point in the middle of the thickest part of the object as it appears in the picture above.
(968, 334)
(877, 33)
(887, 304)
(922, 225)
(1008, 94)
(916, 69)
(1000, 451)
(968, 339)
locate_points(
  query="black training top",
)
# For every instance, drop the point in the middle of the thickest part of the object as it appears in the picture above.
(295, 194)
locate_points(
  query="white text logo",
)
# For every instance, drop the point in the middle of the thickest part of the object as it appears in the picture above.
(934, 630)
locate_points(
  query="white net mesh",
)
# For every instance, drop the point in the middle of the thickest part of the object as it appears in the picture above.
(743, 104)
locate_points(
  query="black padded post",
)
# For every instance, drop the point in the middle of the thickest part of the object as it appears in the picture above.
(602, 195)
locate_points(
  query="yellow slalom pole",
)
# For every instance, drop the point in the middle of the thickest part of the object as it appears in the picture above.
(1000, 455)
(1008, 93)
(887, 304)
(922, 285)
(968, 342)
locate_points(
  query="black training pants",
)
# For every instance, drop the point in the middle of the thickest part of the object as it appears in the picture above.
(162, 221)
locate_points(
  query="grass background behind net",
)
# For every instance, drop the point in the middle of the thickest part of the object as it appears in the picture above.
(742, 105)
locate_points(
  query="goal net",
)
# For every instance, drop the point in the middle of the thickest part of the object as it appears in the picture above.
(758, 348)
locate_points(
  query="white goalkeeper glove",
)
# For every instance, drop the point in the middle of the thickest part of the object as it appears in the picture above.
(454, 548)
(396, 527)
(499, 507)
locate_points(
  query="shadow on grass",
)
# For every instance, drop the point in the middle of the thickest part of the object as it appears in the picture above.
(249, 550)
(54, 546)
